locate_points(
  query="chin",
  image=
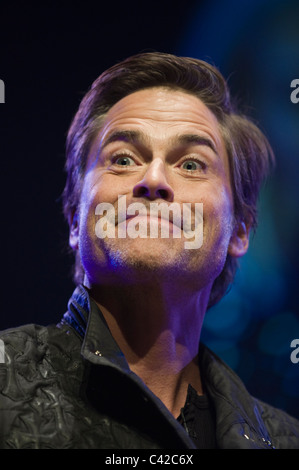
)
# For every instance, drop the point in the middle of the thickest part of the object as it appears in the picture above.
(139, 256)
(145, 255)
(141, 262)
(138, 260)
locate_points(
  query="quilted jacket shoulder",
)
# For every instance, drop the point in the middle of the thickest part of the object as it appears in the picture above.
(283, 428)
(39, 382)
(51, 397)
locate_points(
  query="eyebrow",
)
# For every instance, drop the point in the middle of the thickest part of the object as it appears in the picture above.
(129, 136)
(196, 139)
(134, 137)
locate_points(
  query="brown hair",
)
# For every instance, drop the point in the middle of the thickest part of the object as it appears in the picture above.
(248, 150)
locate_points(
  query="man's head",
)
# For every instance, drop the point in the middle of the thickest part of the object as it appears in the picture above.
(193, 87)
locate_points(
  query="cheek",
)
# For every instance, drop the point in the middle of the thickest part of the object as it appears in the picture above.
(218, 216)
(98, 188)
(90, 197)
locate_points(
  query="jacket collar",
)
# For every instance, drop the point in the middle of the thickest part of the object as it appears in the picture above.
(238, 414)
(86, 318)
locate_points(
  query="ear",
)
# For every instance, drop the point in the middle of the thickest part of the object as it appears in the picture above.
(74, 231)
(239, 241)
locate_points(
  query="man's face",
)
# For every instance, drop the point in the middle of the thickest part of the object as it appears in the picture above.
(156, 145)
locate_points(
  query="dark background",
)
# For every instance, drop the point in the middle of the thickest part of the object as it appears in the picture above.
(49, 55)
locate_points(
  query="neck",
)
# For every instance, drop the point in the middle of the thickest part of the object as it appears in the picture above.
(157, 326)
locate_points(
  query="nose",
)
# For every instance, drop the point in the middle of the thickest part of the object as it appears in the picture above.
(154, 185)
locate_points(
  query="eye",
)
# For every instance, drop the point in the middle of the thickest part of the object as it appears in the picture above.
(124, 161)
(192, 165)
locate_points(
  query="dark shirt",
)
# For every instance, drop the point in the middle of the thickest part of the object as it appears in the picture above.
(198, 419)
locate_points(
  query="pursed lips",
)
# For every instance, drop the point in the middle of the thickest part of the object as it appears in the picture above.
(184, 217)
(150, 217)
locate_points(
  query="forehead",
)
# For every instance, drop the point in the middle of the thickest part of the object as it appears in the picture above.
(162, 112)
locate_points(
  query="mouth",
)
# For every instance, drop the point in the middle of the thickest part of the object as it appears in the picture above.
(153, 226)
(173, 215)
(150, 217)
(155, 222)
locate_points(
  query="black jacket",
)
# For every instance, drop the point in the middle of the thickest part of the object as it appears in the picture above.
(69, 386)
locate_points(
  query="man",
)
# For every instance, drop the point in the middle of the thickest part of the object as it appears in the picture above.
(125, 367)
